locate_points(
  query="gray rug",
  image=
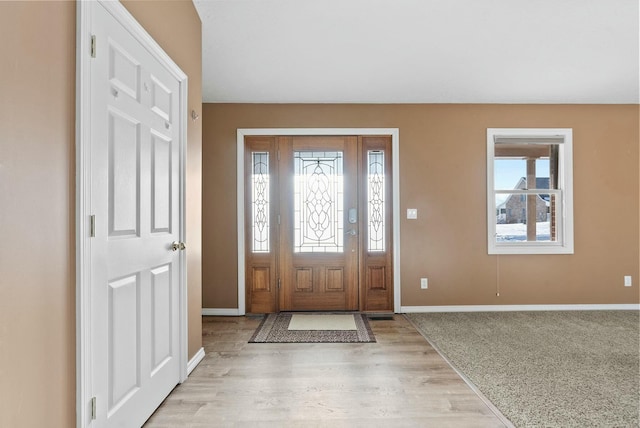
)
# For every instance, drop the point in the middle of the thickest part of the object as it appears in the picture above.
(275, 329)
(547, 369)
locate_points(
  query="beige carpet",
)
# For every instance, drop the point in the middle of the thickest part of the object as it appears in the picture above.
(547, 369)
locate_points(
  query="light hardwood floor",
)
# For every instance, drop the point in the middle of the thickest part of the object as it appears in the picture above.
(400, 381)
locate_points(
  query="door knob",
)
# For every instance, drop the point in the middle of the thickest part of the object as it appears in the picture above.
(175, 246)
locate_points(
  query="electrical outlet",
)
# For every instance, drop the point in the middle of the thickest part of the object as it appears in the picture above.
(424, 283)
(627, 281)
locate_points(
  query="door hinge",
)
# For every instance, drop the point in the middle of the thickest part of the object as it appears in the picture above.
(278, 219)
(278, 154)
(279, 282)
(93, 46)
(92, 226)
(93, 408)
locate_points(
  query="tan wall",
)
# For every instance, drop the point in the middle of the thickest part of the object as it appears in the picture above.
(442, 167)
(37, 199)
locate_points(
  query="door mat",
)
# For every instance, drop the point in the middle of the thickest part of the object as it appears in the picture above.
(278, 328)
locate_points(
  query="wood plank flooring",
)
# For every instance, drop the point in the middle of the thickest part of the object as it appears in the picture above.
(400, 381)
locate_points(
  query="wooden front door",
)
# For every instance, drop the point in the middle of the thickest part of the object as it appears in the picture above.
(318, 236)
(319, 224)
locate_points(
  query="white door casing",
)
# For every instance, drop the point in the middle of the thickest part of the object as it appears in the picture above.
(131, 283)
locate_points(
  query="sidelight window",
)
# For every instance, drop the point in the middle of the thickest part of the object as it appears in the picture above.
(260, 201)
(376, 201)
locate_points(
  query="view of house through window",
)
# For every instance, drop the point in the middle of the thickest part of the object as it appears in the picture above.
(527, 190)
(525, 209)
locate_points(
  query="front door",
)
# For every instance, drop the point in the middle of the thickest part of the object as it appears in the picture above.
(319, 223)
(135, 269)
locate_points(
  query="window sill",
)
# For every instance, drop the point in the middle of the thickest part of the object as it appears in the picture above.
(530, 248)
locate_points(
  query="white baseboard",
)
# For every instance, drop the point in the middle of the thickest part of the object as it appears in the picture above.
(234, 312)
(515, 308)
(221, 312)
(193, 363)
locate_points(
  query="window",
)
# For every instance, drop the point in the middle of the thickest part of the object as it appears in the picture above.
(260, 202)
(529, 191)
(318, 195)
(376, 201)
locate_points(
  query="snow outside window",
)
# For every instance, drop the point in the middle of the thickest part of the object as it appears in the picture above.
(529, 191)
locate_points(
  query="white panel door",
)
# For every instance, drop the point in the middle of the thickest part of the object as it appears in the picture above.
(135, 179)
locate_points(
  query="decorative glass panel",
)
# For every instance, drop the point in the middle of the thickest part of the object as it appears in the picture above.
(318, 202)
(375, 197)
(260, 201)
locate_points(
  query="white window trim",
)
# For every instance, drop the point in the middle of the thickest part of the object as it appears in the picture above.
(565, 183)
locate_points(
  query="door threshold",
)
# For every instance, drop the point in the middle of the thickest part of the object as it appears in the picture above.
(380, 316)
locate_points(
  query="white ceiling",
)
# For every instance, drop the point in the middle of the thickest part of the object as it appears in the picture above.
(420, 51)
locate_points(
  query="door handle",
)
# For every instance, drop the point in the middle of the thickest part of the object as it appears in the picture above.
(175, 246)
(351, 232)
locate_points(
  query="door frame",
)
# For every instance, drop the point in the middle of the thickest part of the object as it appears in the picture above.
(84, 382)
(395, 176)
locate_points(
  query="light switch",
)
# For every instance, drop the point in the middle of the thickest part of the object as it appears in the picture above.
(412, 213)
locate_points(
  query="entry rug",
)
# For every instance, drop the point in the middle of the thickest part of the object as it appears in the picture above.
(278, 328)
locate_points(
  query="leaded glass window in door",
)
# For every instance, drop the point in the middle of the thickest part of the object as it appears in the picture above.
(318, 202)
(376, 200)
(260, 201)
